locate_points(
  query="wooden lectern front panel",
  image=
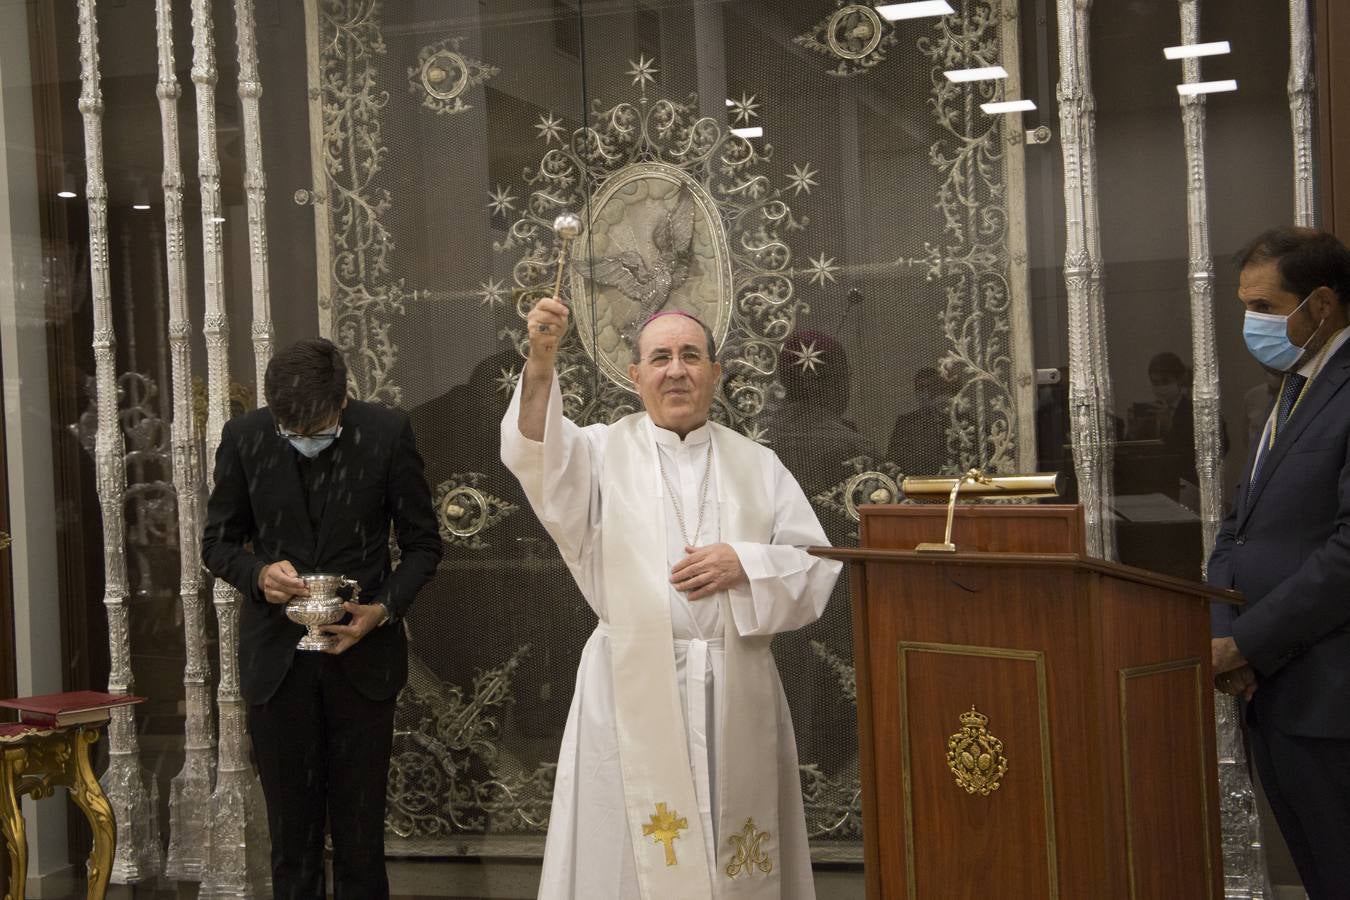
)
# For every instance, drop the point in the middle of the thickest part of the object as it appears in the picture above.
(947, 636)
(1164, 767)
(978, 800)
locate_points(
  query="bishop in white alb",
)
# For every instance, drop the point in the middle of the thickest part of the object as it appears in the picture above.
(677, 776)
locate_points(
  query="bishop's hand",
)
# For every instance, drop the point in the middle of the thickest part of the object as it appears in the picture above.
(546, 323)
(705, 571)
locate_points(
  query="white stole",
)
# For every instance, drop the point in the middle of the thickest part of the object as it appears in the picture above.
(659, 789)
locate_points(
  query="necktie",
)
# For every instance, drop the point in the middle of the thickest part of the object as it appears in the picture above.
(1293, 387)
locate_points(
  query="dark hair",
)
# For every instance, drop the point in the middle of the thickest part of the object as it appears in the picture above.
(1305, 258)
(305, 383)
(1169, 365)
(707, 333)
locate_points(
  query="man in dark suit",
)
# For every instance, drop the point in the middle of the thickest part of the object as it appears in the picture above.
(311, 484)
(1286, 546)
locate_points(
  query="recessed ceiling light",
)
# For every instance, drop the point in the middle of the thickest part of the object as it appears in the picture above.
(1206, 87)
(1008, 106)
(1186, 51)
(748, 133)
(987, 73)
(140, 206)
(67, 195)
(893, 12)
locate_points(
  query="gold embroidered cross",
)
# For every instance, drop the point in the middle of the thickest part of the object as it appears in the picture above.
(664, 828)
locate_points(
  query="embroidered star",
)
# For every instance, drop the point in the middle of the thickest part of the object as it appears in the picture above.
(643, 72)
(506, 381)
(807, 356)
(491, 293)
(803, 178)
(744, 109)
(549, 128)
(822, 269)
(757, 434)
(501, 201)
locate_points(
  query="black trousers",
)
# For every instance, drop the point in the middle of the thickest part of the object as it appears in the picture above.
(1307, 781)
(322, 750)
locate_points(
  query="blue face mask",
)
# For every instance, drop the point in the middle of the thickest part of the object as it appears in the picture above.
(1267, 337)
(311, 445)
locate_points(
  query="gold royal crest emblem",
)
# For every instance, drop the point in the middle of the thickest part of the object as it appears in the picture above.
(975, 756)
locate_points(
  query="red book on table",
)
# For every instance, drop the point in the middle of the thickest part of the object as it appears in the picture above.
(72, 708)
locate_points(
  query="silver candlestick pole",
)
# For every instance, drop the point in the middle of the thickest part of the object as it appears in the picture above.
(1302, 112)
(236, 864)
(133, 797)
(190, 790)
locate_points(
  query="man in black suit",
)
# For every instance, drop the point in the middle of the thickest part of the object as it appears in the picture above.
(311, 484)
(1286, 546)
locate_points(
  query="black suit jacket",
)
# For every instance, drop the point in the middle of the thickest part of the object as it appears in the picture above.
(257, 514)
(1287, 548)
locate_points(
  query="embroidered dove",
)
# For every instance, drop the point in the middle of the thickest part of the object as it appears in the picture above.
(653, 247)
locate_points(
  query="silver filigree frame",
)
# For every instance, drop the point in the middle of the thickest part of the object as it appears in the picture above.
(824, 38)
(445, 58)
(726, 167)
(443, 735)
(356, 307)
(465, 509)
(982, 262)
(615, 365)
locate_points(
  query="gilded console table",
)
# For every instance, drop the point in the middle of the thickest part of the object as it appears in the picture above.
(34, 760)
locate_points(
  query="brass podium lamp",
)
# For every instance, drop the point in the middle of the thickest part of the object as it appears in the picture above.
(976, 483)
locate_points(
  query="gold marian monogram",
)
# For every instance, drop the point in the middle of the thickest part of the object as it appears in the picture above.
(664, 828)
(975, 756)
(749, 849)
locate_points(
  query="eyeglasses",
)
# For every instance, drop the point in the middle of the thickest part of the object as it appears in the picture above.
(661, 358)
(321, 435)
(288, 435)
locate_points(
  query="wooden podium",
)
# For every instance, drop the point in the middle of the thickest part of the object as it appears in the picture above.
(1033, 723)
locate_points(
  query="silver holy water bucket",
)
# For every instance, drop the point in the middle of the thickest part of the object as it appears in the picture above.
(323, 606)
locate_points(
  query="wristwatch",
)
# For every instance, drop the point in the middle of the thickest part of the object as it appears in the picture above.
(388, 614)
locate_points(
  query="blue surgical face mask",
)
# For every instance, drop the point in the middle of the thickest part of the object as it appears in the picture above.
(1267, 337)
(311, 445)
